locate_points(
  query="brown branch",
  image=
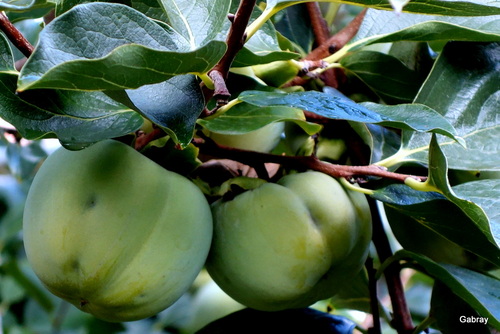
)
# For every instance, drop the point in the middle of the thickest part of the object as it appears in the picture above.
(235, 41)
(333, 44)
(15, 36)
(253, 158)
(318, 23)
(402, 320)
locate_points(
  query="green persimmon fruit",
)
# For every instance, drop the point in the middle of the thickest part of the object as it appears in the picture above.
(263, 139)
(112, 232)
(277, 73)
(290, 244)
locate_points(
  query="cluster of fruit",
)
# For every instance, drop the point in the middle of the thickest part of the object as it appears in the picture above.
(122, 238)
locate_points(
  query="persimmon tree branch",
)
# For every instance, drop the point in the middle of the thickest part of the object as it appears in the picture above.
(331, 45)
(253, 158)
(235, 41)
(402, 320)
(15, 36)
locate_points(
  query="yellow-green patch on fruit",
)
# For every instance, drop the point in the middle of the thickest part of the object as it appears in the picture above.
(112, 232)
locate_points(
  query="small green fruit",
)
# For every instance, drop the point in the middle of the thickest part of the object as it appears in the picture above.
(114, 233)
(260, 140)
(278, 72)
(290, 244)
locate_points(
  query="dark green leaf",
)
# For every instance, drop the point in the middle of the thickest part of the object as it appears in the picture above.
(451, 312)
(336, 107)
(478, 290)
(434, 212)
(385, 74)
(76, 118)
(174, 105)
(384, 27)
(438, 7)
(99, 46)
(6, 58)
(295, 25)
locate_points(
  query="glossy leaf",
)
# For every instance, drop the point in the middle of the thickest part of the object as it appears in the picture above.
(471, 85)
(438, 7)
(78, 119)
(244, 118)
(6, 58)
(384, 27)
(87, 49)
(335, 107)
(173, 105)
(467, 284)
(199, 22)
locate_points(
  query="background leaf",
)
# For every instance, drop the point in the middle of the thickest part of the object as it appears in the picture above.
(78, 119)
(438, 7)
(87, 49)
(471, 84)
(467, 284)
(384, 27)
(6, 58)
(386, 75)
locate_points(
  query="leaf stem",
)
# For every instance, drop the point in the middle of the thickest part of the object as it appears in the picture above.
(15, 36)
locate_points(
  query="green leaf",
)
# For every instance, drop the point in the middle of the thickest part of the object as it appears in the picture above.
(336, 107)
(86, 49)
(438, 7)
(244, 118)
(173, 105)
(295, 25)
(449, 310)
(440, 215)
(78, 119)
(485, 193)
(386, 75)
(479, 291)
(198, 21)
(17, 5)
(262, 48)
(6, 58)
(466, 91)
(385, 27)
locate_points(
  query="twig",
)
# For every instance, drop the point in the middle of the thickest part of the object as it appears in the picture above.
(318, 23)
(235, 41)
(334, 43)
(402, 321)
(374, 303)
(15, 36)
(253, 158)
